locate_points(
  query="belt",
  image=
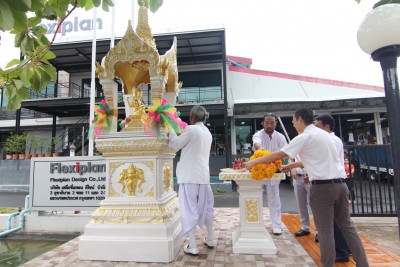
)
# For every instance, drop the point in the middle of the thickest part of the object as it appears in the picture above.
(330, 181)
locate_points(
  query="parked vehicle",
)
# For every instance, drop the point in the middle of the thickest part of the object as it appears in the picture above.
(375, 161)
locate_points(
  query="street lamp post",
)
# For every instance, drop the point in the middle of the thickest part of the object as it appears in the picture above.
(379, 36)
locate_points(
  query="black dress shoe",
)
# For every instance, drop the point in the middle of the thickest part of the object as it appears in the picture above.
(316, 238)
(302, 233)
(342, 259)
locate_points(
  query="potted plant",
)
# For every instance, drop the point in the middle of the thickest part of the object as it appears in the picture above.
(21, 145)
(48, 148)
(41, 142)
(31, 146)
(8, 148)
(35, 145)
(11, 146)
(55, 141)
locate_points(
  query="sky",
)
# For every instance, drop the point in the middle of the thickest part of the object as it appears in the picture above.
(316, 38)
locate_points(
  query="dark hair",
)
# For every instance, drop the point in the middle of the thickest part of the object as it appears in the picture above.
(270, 115)
(326, 119)
(199, 113)
(306, 114)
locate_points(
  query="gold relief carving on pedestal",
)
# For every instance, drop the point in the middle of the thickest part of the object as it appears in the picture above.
(251, 210)
(111, 191)
(150, 193)
(131, 178)
(150, 165)
(114, 166)
(138, 147)
(167, 177)
(159, 214)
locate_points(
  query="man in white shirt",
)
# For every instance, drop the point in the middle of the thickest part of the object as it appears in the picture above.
(196, 200)
(327, 123)
(329, 193)
(270, 139)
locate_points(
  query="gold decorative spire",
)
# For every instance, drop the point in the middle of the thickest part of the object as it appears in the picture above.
(143, 29)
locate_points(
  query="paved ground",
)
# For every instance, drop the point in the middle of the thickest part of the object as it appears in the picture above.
(382, 230)
(290, 252)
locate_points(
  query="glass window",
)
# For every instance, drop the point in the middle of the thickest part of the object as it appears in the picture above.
(3, 99)
(200, 86)
(244, 134)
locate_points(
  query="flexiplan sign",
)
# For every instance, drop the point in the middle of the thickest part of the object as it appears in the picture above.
(67, 183)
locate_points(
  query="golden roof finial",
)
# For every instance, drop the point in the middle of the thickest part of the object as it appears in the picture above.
(143, 29)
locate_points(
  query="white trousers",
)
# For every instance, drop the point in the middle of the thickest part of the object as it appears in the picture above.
(274, 202)
(196, 203)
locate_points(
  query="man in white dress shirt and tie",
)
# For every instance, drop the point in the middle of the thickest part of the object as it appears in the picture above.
(196, 200)
(270, 139)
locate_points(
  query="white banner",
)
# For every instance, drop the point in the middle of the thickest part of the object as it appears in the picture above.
(67, 183)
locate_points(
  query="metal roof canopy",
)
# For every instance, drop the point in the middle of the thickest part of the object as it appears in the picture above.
(334, 107)
(202, 47)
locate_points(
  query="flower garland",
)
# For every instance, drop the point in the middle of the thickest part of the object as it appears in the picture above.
(124, 123)
(101, 121)
(261, 171)
(164, 114)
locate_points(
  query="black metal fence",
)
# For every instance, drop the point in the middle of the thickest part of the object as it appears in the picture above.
(371, 183)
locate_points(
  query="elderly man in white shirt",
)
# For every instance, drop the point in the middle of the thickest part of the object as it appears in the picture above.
(329, 193)
(270, 139)
(196, 200)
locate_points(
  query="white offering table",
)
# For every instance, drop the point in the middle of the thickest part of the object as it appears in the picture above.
(251, 237)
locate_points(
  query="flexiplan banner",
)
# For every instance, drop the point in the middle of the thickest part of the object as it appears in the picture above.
(67, 183)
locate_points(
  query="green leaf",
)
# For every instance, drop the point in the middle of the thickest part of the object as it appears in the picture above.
(6, 16)
(12, 63)
(17, 83)
(24, 93)
(26, 44)
(45, 79)
(47, 56)
(48, 13)
(60, 7)
(10, 91)
(106, 4)
(18, 39)
(155, 5)
(96, 3)
(13, 104)
(37, 4)
(33, 21)
(20, 5)
(82, 3)
(35, 81)
(89, 5)
(51, 71)
(26, 74)
(21, 21)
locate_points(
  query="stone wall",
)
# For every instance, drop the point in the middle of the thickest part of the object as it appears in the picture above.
(14, 175)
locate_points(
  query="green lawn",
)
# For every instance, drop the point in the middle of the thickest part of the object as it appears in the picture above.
(7, 210)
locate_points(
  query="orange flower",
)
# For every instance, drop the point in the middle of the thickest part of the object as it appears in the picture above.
(261, 171)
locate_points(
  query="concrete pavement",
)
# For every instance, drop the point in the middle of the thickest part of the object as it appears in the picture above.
(382, 230)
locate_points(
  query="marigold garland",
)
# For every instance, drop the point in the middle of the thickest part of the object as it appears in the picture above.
(261, 171)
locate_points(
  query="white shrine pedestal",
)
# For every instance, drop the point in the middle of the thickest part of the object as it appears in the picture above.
(251, 237)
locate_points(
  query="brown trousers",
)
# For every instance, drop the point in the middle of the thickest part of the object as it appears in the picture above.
(330, 202)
